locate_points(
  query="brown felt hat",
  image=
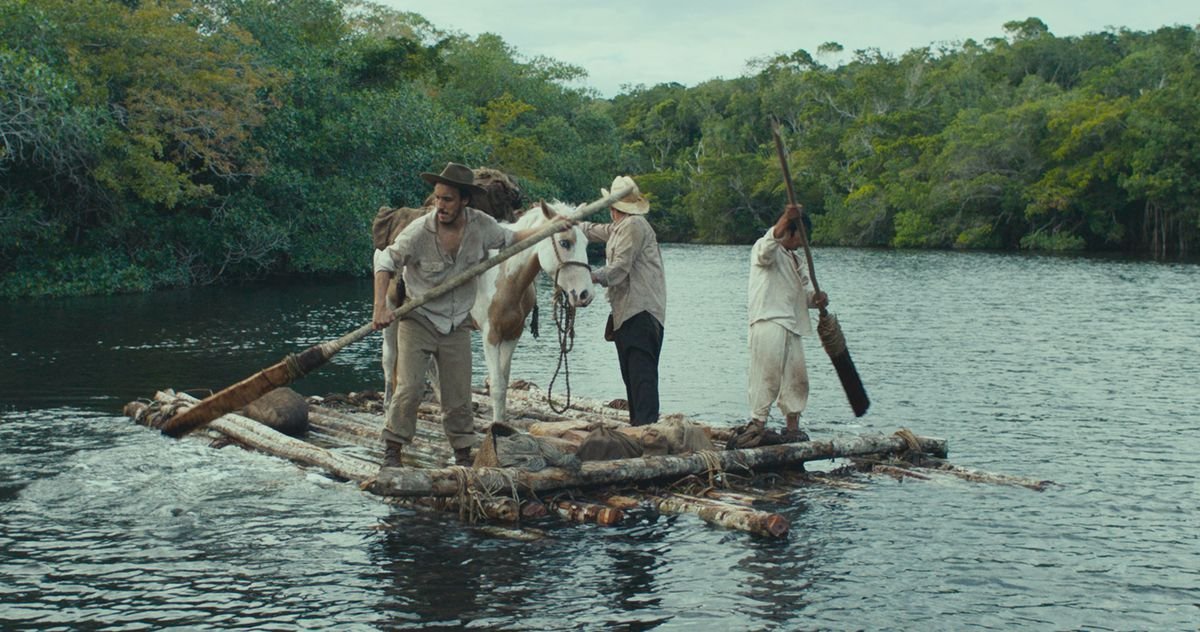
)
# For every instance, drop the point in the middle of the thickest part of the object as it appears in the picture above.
(455, 175)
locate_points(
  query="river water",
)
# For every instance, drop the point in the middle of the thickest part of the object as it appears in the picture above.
(1078, 370)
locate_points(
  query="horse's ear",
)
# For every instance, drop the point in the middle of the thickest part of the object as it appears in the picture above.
(546, 209)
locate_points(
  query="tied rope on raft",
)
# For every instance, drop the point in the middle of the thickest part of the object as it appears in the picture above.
(472, 493)
(712, 467)
(155, 413)
(912, 445)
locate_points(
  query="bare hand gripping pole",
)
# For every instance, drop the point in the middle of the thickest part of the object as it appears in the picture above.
(297, 365)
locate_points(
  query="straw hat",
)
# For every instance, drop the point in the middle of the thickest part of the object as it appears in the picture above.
(455, 175)
(634, 203)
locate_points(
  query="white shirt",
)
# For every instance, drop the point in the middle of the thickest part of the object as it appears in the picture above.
(779, 289)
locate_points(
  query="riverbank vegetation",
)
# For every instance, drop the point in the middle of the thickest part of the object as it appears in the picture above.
(184, 142)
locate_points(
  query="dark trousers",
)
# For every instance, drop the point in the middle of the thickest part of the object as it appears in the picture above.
(639, 342)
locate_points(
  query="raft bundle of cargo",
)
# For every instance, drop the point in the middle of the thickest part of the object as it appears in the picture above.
(725, 487)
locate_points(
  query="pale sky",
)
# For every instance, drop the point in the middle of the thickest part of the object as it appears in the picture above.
(621, 42)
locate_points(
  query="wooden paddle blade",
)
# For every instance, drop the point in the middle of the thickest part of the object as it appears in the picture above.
(834, 342)
(851, 383)
(282, 373)
(225, 401)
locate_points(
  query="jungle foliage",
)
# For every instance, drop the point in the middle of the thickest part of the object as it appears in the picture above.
(164, 143)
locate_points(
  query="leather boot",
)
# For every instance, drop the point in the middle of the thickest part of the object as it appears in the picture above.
(462, 456)
(391, 454)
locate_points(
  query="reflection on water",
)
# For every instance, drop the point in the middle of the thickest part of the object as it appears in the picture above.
(1077, 370)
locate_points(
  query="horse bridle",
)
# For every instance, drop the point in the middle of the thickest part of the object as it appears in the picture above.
(564, 321)
(564, 262)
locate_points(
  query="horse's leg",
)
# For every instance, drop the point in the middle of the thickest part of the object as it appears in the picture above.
(503, 360)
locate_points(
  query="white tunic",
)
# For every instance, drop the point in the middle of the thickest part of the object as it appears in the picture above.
(779, 286)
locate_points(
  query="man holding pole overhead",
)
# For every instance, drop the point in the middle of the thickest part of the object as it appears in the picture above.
(780, 295)
(432, 249)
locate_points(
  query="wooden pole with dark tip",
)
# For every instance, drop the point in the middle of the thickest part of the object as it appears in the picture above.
(297, 365)
(828, 328)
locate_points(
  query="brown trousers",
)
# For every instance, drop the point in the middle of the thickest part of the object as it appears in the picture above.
(416, 343)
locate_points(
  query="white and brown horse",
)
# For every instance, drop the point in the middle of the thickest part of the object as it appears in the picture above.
(505, 296)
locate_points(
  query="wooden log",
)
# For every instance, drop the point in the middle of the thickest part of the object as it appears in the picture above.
(497, 509)
(533, 509)
(580, 511)
(624, 503)
(256, 435)
(346, 433)
(253, 434)
(978, 476)
(429, 448)
(734, 498)
(445, 482)
(898, 473)
(419, 454)
(524, 534)
(724, 514)
(579, 405)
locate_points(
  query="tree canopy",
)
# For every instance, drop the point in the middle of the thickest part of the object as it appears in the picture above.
(169, 143)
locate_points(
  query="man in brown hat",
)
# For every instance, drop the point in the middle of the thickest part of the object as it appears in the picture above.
(431, 250)
(637, 292)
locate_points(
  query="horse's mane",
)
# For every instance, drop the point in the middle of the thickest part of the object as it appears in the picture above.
(533, 215)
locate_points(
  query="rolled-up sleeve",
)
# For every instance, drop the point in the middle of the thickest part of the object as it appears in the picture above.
(395, 255)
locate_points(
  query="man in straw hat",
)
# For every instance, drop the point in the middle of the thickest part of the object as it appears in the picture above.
(779, 299)
(431, 250)
(637, 292)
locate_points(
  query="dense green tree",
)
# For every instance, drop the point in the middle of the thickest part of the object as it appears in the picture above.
(151, 144)
(1163, 141)
(156, 116)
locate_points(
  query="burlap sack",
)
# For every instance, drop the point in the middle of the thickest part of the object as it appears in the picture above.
(281, 409)
(682, 437)
(605, 444)
(389, 222)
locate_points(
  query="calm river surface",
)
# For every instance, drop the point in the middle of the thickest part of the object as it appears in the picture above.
(1078, 370)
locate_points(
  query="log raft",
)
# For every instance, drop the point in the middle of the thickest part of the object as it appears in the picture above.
(406, 481)
(344, 441)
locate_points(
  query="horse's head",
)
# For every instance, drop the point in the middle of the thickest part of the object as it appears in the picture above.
(564, 257)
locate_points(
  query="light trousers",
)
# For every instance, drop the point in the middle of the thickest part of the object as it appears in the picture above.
(777, 371)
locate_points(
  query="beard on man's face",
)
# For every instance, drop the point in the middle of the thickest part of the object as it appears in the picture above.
(448, 216)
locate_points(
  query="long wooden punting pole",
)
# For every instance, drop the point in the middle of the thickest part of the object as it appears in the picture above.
(448, 481)
(297, 365)
(827, 328)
